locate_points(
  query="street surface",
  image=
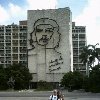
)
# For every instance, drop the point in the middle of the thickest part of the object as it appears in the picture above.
(42, 95)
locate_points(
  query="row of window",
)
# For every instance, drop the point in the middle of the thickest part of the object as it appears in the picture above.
(79, 67)
(78, 31)
(14, 62)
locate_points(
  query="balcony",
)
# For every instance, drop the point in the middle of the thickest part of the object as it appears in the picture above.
(8, 51)
(23, 37)
(8, 41)
(15, 44)
(8, 30)
(1, 30)
(8, 34)
(15, 30)
(8, 44)
(1, 51)
(15, 37)
(8, 58)
(8, 37)
(15, 62)
(23, 58)
(15, 51)
(23, 44)
(1, 37)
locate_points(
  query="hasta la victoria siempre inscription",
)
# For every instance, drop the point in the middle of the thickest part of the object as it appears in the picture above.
(46, 34)
(56, 62)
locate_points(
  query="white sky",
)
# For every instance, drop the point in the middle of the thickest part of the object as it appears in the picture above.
(89, 16)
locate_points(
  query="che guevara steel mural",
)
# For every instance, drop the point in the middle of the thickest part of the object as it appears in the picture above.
(46, 33)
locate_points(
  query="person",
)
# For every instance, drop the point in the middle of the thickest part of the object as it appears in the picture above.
(60, 96)
(54, 95)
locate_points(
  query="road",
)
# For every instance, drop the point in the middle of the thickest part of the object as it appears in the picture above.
(34, 95)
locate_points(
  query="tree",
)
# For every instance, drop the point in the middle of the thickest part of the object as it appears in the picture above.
(98, 54)
(3, 79)
(94, 79)
(85, 54)
(72, 80)
(88, 56)
(20, 74)
(93, 55)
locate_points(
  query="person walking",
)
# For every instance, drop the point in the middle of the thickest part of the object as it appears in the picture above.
(54, 95)
(60, 96)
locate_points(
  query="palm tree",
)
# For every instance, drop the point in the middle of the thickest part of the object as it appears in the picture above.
(98, 54)
(88, 56)
(94, 55)
(84, 56)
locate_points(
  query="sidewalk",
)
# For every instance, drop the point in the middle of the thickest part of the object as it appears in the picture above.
(44, 95)
(45, 98)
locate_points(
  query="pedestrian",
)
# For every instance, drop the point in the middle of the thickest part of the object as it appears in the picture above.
(60, 96)
(54, 95)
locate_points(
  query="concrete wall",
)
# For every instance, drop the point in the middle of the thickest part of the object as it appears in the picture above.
(49, 62)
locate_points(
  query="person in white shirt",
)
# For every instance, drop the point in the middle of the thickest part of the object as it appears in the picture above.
(54, 96)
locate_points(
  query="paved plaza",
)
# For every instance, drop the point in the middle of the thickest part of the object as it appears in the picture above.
(31, 95)
(44, 98)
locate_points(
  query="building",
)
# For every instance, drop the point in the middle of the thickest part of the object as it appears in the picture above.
(50, 53)
(48, 56)
(13, 44)
(79, 41)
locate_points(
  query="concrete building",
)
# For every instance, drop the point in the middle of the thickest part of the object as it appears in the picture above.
(79, 41)
(48, 43)
(50, 53)
(13, 44)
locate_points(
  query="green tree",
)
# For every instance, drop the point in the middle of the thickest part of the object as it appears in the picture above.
(20, 75)
(3, 79)
(94, 79)
(85, 54)
(93, 55)
(72, 80)
(88, 56)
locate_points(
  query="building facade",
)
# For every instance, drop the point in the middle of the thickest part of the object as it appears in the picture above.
(49, 44)
(13, 44)
(79, 41)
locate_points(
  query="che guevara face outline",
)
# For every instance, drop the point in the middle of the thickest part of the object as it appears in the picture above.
(44, 33)
(45, 29)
